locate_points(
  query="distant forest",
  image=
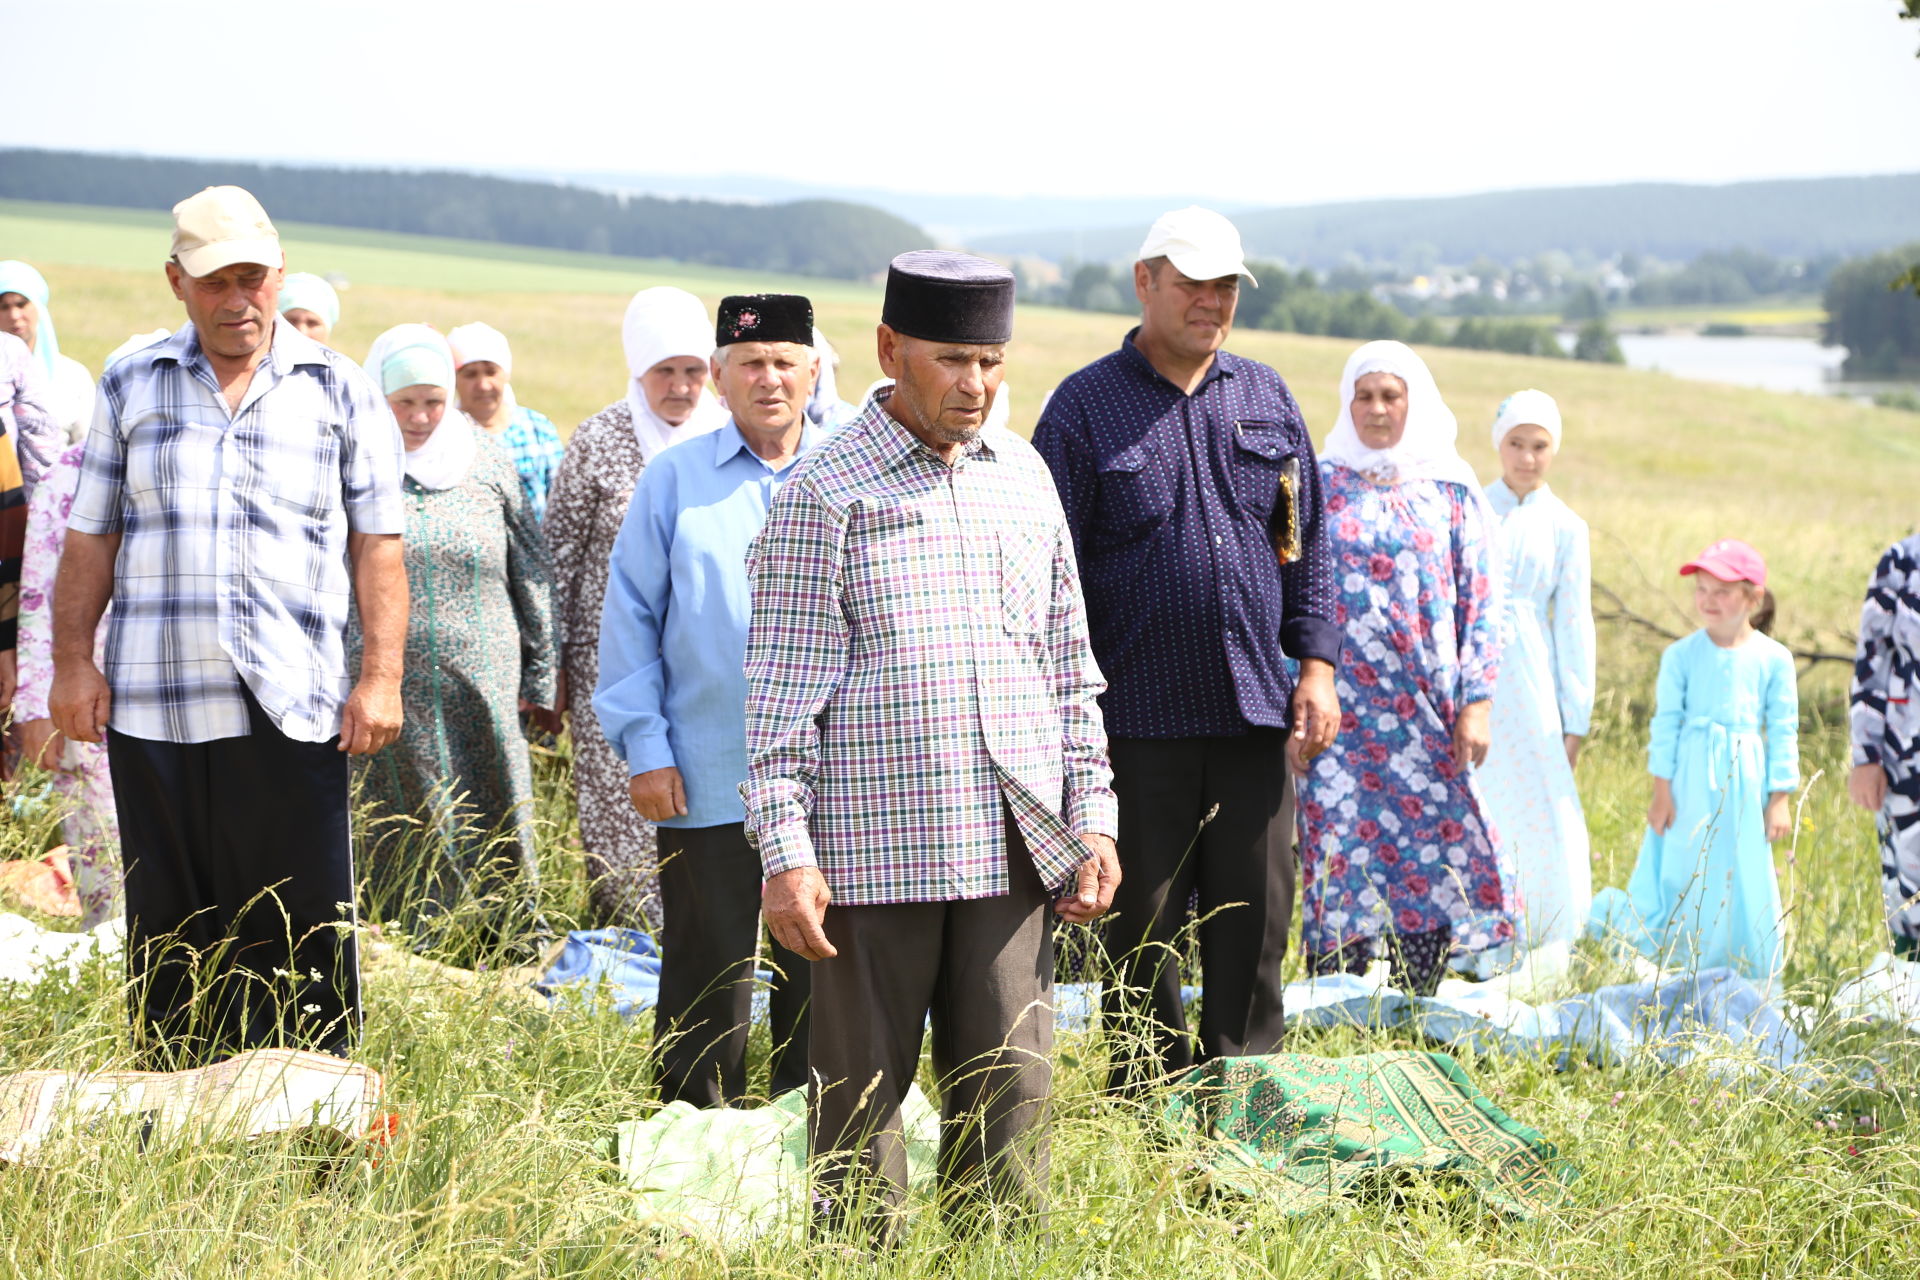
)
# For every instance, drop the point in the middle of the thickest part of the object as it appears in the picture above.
(804, 237)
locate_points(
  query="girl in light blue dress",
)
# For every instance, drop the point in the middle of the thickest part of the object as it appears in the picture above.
(1725, 760)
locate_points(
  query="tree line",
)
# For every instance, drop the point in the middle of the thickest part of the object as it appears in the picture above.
(1873, 310)
(804, 237)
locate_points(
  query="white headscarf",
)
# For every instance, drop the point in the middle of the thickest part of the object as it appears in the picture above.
(662, 322)
(481, 341)
(1527, 408)
(444, 460)
(1426, 450)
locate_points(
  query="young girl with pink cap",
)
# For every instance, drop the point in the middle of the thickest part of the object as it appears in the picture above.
(1725, 761)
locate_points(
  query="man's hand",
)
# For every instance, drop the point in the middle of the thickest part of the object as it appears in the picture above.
(1867, 785)
(1092, 891)
(79, 701)
(1316, 714)
(658, 794)
(794, 904)
(371, 719)
(40, 743)
(1472, 733)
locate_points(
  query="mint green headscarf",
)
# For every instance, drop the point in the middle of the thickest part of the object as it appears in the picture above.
(18, 277)
(305, 291)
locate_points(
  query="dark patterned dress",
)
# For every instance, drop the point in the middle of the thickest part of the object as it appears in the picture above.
(1886, 729)
(584, 511)
(452, 798)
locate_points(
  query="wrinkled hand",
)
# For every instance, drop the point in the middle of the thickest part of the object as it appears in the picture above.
(1660, 813)
(1316, 715)
(40, 743)
(79, 701)
(794, 904)
(1092, 891)
(1867, 786)
(658, 794)
(1574, 742)
(1779, 817)
(371, 719)
(1472, 733)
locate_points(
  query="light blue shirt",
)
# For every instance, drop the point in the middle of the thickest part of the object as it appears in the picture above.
(673, 629)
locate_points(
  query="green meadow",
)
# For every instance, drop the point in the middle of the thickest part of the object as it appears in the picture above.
(501, 1168)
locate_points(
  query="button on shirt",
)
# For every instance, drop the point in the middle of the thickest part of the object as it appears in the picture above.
(1174, 501)
(918, 658)
(233, 560)
(673, 629)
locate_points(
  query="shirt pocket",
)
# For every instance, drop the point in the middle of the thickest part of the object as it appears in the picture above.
(1135, 493)
(1026, 577)
(1265, 473)
(307, 482)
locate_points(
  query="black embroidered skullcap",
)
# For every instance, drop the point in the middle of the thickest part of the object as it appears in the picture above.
(940, 296)
(764, 317)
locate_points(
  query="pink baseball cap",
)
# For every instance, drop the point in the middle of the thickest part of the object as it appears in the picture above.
(1730, 560)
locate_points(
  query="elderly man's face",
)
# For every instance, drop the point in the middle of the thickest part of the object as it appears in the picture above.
(19, 317)
(765, 384)
(232, 309)
(944, 389)
(1186, 317)
(673, 387)
(481, 384)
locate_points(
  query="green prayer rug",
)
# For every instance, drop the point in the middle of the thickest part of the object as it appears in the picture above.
(1310, 1131)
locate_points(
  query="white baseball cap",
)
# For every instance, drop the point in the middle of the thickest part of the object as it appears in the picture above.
(1201, 243)
(221, 226)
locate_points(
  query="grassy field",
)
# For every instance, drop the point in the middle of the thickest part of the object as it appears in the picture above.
(502, 1169)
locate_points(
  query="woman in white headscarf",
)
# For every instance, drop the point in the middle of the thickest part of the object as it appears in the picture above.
(668, 337)
(310, 305)
(1398, 860)
(25, 314)
(483, 372)
(456, 787)
(1545, 700)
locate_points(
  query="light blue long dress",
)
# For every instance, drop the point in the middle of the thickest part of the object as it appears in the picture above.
(1545, 692)
(1726, 732)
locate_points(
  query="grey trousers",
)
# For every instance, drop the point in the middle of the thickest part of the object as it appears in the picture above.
(984, 970)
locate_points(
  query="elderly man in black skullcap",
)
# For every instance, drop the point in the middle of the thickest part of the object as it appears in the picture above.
(925, 751)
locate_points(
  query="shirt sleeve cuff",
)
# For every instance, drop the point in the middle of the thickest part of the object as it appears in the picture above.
(80, 522)
(1864, 753)
(1094, 813)
(1311, 638)
(646, 752)
(373, 516)
(785, 848)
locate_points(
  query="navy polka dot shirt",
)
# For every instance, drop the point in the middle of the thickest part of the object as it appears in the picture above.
(1181, 508)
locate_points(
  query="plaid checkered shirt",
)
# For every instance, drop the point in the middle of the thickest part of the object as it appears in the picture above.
(918, 657)
(233, 554)
(536, 449)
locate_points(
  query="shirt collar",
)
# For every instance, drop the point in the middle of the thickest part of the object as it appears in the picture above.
(728, 441)
(1222, 363)
(290, 348)
(902, 444)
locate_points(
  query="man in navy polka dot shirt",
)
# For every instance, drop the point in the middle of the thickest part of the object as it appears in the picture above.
(1193, 495)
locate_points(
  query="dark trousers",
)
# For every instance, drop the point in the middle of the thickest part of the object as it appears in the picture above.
(710, 903)
(1241, 866)
(239, 895)
(984, 970)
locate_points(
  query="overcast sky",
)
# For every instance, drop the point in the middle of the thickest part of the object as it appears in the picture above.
(1272, 101)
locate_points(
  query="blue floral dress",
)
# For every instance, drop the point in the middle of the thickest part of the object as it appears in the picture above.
(1394, 835)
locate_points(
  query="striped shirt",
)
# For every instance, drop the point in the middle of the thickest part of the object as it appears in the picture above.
(233, 560)
(917, 658)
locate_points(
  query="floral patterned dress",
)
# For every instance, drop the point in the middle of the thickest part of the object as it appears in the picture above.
(452, 798)
(91, 827)
(1395, 840)
(585, 508)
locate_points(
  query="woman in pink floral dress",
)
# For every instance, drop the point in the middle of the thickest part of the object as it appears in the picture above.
(1398, 859)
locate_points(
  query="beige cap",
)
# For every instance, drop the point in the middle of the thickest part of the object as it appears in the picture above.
(222, 226)
(1201, 243)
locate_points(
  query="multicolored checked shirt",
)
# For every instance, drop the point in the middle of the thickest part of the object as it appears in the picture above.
(536, 449)
(233, 554)
(917, 658)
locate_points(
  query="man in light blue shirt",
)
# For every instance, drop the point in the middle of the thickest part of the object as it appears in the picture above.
(672, 699)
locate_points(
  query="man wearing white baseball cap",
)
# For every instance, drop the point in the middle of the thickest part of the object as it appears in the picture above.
(1193, 494)
(241, 485)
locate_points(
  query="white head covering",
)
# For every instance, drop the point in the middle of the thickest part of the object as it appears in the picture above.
(444, 460)
(663, 322)
(1527, 408)
(479, 341)
(305, 291)
(1426, 450)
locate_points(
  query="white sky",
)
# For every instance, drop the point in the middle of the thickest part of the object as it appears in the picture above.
(1272, 101)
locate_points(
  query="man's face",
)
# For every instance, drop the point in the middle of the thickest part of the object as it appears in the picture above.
(1190, 318)
(481, 384)
(765, 384)
(19, 317)
(673, 387)
(944, 389)
(232, 309)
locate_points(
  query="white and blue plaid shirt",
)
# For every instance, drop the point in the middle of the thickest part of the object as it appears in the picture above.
(233, 559)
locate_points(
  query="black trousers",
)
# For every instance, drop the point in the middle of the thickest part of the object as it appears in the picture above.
(1241, 866)
(239, 895)
(710, 904)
